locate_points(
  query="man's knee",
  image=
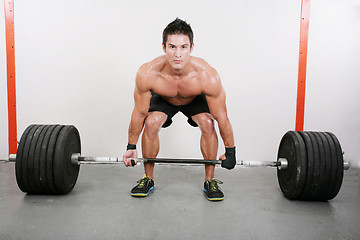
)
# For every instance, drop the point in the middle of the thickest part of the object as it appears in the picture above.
(205, 122)
(153, 122)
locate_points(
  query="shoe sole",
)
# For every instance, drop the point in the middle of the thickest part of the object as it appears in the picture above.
(213, 199)
(142, 194)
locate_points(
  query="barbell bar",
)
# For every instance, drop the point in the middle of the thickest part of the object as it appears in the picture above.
(77, 159)
(309, 165)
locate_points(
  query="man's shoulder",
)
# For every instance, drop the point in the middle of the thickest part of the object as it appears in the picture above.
(205, 71)
(203, 67)
(148, 72)
(208, 76)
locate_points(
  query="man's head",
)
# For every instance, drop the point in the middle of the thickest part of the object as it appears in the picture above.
(178, 43)
(178, 27)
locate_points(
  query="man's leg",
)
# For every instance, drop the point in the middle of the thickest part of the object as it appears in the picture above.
(209, 146)
(150, 139)
(208, 141)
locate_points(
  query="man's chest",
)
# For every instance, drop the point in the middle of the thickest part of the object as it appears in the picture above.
(178, 87)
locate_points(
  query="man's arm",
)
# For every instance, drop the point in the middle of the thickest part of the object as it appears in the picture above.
(216, 99)
(142, 102)
(142, 96)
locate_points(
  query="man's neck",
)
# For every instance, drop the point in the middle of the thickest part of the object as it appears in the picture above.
(178, 72)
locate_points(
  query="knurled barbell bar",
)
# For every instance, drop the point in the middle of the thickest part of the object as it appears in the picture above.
(76, 158)
(309, 165)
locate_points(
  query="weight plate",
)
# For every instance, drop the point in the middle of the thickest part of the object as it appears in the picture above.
(328, 167)
(323, 168)
(66, 173)
(37, 184)
(50, 159)
(18, 161)
(292, 179)
(307, 192)
(25, 158)
(333, 171)
(340, 167)
(315, 189)
(43, 158)
(31, 164)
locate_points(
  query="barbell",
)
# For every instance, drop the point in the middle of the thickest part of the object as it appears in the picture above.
(309, 165)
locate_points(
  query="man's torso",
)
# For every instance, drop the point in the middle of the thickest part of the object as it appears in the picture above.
(177, 90)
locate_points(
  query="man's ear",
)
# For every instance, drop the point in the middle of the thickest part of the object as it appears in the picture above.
(164, 47)
(192, 48)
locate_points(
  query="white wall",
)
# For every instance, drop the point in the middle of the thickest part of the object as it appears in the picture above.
(76, 62)
(4, 146)
(333, 79)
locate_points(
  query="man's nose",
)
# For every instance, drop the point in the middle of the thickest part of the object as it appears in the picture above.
(178, 52)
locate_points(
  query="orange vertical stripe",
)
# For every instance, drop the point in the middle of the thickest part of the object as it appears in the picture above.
(11, 86)
(304, 31)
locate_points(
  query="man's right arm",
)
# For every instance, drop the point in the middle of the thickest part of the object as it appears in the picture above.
(142, 96)
(142, 103)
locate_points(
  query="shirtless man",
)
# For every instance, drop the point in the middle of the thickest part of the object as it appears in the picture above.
(177, 82)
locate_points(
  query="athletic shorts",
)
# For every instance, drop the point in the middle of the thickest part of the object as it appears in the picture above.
(198, 105)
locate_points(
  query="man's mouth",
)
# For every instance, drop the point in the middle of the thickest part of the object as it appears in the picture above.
(177, 61)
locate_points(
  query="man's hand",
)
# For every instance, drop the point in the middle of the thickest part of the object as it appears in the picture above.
(229, 158)
(128, 155)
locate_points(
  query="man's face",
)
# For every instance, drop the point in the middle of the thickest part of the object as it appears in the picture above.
(178, 50)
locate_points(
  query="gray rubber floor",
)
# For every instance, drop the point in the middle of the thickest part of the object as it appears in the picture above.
(100, 207)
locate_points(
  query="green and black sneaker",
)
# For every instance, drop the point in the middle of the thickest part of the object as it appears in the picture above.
(144, 187)
(212, 191)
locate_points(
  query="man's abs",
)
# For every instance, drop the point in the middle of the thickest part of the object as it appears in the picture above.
(178, 100)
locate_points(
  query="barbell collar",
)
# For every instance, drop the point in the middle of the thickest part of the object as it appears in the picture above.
(12, 157)
(346, 165)
(282, 163)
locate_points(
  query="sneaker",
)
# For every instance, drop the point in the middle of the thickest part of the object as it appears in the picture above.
(144, 187)
(212, 191)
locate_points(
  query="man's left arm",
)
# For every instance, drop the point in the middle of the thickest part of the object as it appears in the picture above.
(216, 99)
(218, 110)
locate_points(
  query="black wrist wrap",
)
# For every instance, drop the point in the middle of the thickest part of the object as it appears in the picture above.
(131, 147)
(230, 151)
(230, 161)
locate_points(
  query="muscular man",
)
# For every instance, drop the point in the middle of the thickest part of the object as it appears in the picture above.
(177, 82)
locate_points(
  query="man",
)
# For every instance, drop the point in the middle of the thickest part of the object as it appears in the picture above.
(177, 82)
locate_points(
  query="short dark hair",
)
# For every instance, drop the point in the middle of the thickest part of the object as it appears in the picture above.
(178, 26)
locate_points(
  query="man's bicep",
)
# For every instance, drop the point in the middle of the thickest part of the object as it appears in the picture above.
(142, 100)
(142, 94)
(215, 94)
(217, 105)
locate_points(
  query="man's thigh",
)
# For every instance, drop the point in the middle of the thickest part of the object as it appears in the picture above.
(203, 120)
(197, 106)
(158, 104)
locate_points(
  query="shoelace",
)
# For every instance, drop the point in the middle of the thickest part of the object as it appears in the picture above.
(213, 184)
(143, 181)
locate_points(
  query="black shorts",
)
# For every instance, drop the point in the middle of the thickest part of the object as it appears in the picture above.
(198, 105)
